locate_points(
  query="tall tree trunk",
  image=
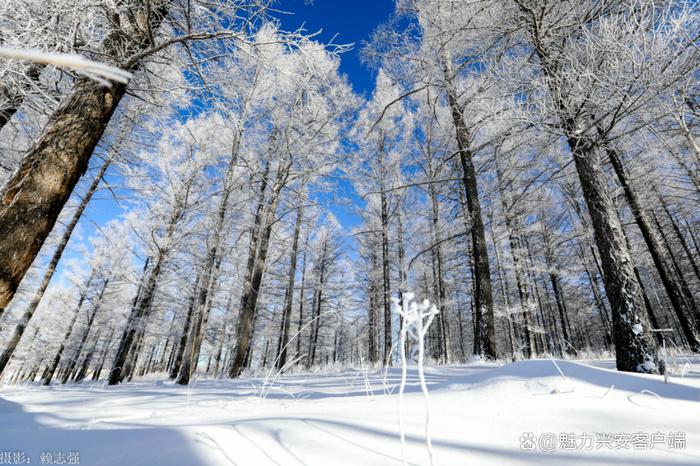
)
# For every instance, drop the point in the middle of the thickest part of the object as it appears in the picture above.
(103, 356)
(645, 296)
(148, 364)
(403, 275)
(469, 255)
(696, 242)
(335, 347)
(373, 354)
(141, 310)
(82, 371)
(438, 278)
(679, 236)
(289, 295)
(255, 235)
(302, 290)
(386, 274)
(220, 350)
(34, 196)
(51, 369)
(251, 290)
(86, 332)
(593, 281)
(190, 357)
(673, 291)
(134, 353)
(518, 256)
(556, 288)
(504, 293)
(50, 270)
(540, 316)
(182, 342)
(318, 301)
(116, 373)
(485, 337)
(167, 349)
(679, 273)
(592, 276)
(635, 347)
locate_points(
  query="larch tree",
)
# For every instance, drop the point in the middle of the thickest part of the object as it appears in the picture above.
(124, 36)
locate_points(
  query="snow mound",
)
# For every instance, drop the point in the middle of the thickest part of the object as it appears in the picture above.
(575, 373)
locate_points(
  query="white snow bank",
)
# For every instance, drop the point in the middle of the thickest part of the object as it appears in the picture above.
(479, 415)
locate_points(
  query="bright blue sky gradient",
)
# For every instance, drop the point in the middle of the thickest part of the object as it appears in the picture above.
(343, 22)
(349, 21)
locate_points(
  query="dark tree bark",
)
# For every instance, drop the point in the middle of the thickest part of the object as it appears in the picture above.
(91, 318)
(34, 196)
(593, 281)
(182, 342)
(134, 353)
(251, 289)
(678, 272)
(504, 293)
(318, 304)
(386, 273)
(116, 374)
(103, 356)
(679, 236)
(141, 309)
(438, 279)
(540, 316)
(289, 296)
(635, 347)
(696, 242)
(220, 350)
(203, 307)
(50, 270)
(212, 265)
(373, 353)
(645, 296)
(556, 288)
(673, 290)
(593, 277)
(403, 275)
(253, 250)
(51, 369)
(518, 257)
(302, 295)
(485, 336)
(87, 360)
(167, 348)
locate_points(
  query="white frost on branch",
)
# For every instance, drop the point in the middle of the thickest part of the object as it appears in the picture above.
(94, 70)
(416, 319)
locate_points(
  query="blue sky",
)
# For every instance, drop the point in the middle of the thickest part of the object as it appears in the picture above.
(351, 21)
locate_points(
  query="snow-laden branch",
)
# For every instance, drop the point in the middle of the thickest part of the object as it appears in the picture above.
(94, 70)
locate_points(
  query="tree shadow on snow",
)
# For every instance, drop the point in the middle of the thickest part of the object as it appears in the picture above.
(352, 384)
(22, 431)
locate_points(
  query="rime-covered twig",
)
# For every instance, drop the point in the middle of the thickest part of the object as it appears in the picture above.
(94, 70)
(417, 318)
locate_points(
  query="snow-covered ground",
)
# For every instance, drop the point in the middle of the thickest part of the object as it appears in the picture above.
(479, 415)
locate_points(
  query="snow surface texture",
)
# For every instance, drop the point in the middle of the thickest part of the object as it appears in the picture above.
(479, 413)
